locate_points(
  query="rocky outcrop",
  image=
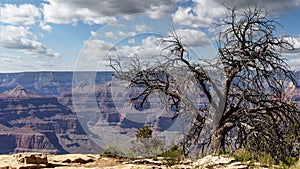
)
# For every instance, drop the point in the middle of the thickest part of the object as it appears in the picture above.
(292, 93)
(31, 158)
(38, 160)
(98, 102)
(30, 122)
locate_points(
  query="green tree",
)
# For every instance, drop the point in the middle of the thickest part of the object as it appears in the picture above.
(145, 145)
(144, 133)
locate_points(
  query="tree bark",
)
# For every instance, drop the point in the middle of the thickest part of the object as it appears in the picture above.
(218, 138)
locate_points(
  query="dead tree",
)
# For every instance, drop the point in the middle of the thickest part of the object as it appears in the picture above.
(250, 110)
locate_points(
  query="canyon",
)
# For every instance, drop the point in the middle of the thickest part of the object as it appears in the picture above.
(77, 112)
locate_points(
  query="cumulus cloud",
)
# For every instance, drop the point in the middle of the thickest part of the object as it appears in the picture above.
(274, 6)
(101, 12)
(192, 37)
(118, 34)
(94, 55)
(21, 39)
(296, 42)
(294, 55)
(146, 50)
(24, 14)
(94, 34)
(125, 34)
(294, 64)
(45, 27)
(109, 34)
(131, 41)
(96, 49)
(20, 63)
(203, 13)
(96, 52)
(200, 15)
(141, 27)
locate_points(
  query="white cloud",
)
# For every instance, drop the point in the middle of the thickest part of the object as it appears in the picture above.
(94, 55)
(141, 27)
(47, 28)
(200, 15)
(109, 34)
(118, 34)
(20, 63)
(102, 12)
(203, 13)
(294, 55)
(96, 49)
(126, 34)
(96, 52)
(94, 34)
(192, 38)
(99, 50)
(131, 41)
(294, 64)
(296, 42)
(25, 14)
(146, 50)
(274, 6)
(21, 39)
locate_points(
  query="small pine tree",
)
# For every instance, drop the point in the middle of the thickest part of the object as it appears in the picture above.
(145, 145)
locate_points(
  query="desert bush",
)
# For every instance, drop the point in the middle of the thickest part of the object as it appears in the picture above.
(172, 156)
(145, 144)
(114, 151)
(149, 147)
(243, 155)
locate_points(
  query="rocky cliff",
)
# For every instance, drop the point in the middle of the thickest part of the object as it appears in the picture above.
(109, 106)
(74, 161)
(110, 120)
(30, 122)
(40, 116)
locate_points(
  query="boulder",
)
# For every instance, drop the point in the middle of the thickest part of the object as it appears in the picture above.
(31, 158)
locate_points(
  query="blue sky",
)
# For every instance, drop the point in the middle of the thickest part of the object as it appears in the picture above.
(42, 35)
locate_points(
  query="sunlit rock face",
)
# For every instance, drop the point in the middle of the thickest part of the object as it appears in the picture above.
(30, 122)
(38, 113)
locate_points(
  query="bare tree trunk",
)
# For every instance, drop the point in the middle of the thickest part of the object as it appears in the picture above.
(217, 145)
(217, 142)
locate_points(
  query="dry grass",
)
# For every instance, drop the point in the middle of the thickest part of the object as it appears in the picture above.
(296, 166)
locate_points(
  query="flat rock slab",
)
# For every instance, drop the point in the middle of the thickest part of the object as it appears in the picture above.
(74, 158)
(94, 161)
(31, 158)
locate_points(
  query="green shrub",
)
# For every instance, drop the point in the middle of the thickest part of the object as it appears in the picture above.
(295, 166)
(243, 155)
(149, 147)
(172, 156)
(145, 144)
(113, 151)
(265, 158)
(290, 160)
(144, 132)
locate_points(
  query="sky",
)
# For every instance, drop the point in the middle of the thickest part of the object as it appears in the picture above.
(78, 35)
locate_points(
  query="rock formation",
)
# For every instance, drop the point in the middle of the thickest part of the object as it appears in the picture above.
(37, 160)
(106, 107)
(41, 115)
(30, 122)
